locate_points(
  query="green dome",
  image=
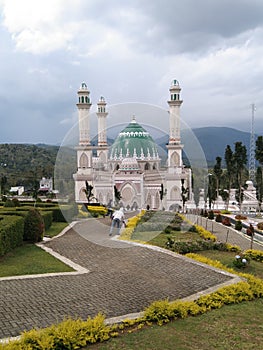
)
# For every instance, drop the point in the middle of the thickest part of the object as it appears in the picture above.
(134, 141)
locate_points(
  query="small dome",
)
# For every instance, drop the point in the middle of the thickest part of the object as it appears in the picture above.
(83, 86)
(134, 141)
(129, 164)
(102, 99)
(175, 83)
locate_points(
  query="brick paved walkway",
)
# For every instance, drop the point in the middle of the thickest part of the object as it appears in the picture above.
(122, 279)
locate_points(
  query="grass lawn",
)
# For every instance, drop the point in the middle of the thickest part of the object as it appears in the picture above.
(30, 259)
(55, 229)
(254, 268)
(160, 239)
(237, 327)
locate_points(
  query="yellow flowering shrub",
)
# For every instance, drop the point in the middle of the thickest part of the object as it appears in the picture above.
(233, 248)
(131, 223)
(205, 234)
(69, 334)
(100, 209)
(254, 254)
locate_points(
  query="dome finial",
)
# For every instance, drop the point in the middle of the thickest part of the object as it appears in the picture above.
(133, 119)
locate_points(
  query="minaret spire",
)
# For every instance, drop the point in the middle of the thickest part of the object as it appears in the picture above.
(174, 146)
(84, 105)
(174, 104)
(102, 115)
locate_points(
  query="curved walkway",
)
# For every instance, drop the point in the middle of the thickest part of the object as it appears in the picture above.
(117, 279)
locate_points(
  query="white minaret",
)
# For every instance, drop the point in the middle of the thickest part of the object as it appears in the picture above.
(83, 112)
(102, 115)
(174, 104)
(102, 149)
(174, 147)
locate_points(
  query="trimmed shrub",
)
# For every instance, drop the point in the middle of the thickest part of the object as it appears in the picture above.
(253, 254)
(226, 221)
(16, 202)
(47, 218)
(11, 233)
(69, 334)
(260, 225)
(240, 217)
(34, 226)
(211, 215)
(218, 218)
(9, 204)
(238, 225)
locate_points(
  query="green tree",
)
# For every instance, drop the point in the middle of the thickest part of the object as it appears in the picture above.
(229, 159)
(211, 191)
(259, 150)
(259, 187)
(259, 173)
(3, 185)
(184, 193)
(117, 195)
(240, 161)
(218, 171)
(88, 191)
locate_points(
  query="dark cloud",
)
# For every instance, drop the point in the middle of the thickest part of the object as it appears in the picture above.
(129, 52)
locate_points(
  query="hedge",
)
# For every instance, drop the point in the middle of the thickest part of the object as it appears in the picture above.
(47, 218)
(11, 233)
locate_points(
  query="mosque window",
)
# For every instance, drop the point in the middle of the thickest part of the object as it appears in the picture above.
(82, 99)
(86, 99)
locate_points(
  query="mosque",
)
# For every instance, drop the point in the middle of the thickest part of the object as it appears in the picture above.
(131, 167)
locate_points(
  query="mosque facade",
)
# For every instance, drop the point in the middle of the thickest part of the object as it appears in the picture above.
(131, 167)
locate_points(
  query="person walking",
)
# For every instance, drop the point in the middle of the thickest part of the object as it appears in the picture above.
(117, 220)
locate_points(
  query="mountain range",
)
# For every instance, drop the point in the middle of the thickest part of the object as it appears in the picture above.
(212, 140)
(21, 162)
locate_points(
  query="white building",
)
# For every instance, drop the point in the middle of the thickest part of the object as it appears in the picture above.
(132, 164)
(46, 185)
(18, 190)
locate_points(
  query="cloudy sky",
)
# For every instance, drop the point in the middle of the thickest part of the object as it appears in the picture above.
(128, 51)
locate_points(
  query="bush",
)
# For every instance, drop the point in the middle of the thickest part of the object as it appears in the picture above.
(218, 218)
(238, 225)
(260, 225)
(211, 215)
(253, 254)
(34, 226)
(240, 217)
(47, 218)
(11, 233)
(240, 261)
(9, 204)
(69, 334)
(16, 202)
(226, 221)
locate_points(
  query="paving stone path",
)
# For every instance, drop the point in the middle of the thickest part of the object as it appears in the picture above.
(120, 279)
